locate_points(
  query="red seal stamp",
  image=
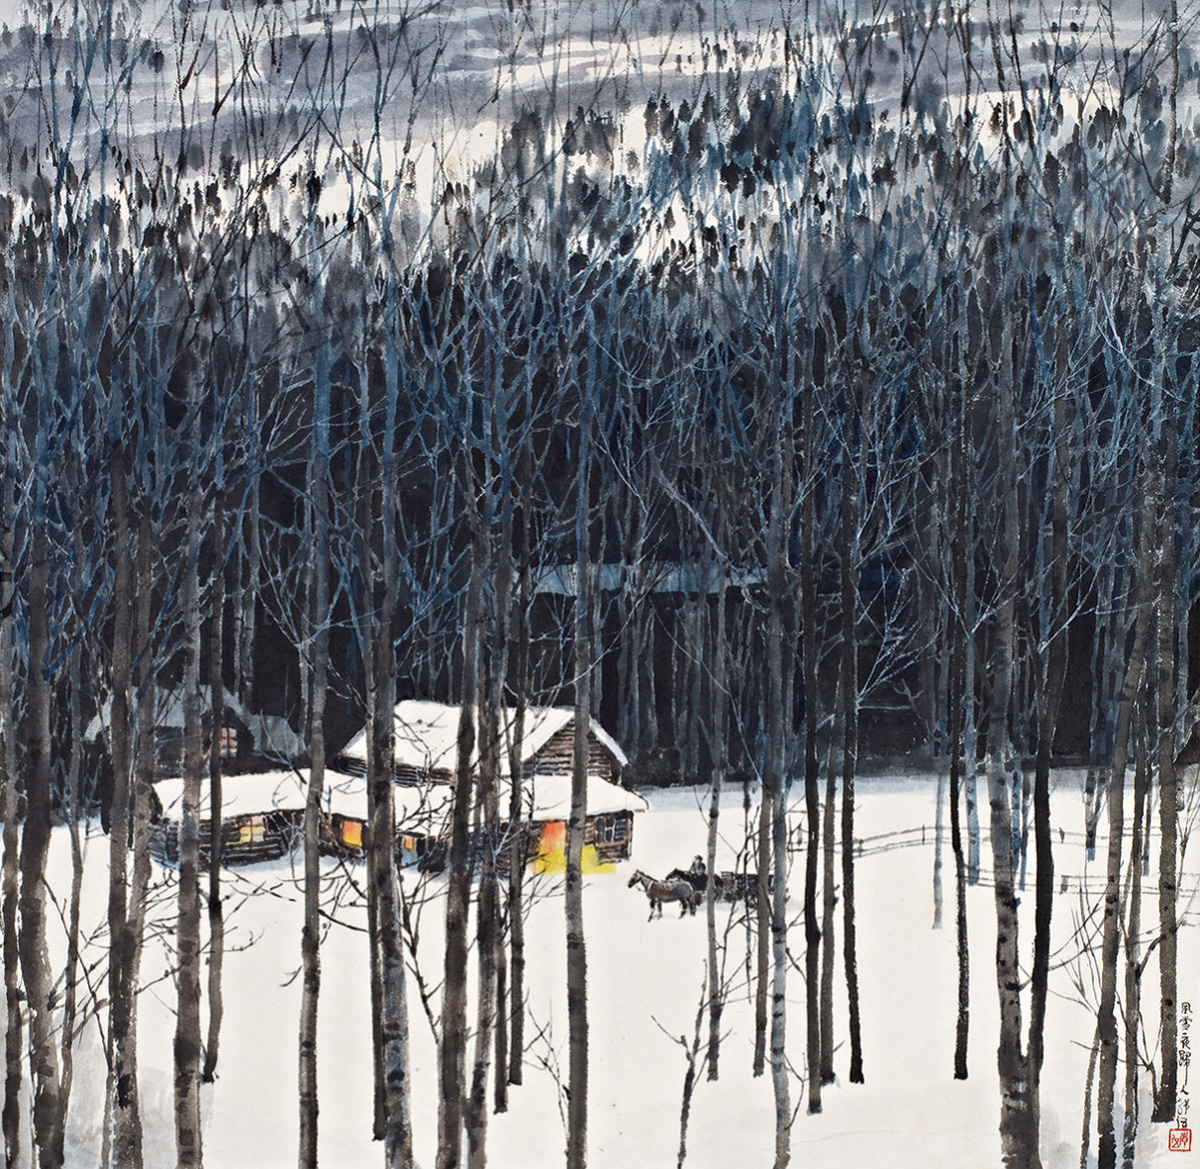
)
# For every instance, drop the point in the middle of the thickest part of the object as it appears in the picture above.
(1179, 1140)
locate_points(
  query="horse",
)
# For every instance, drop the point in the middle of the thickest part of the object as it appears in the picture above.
(660, 892)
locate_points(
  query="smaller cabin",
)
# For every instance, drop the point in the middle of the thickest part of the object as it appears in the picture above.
(262, 817)
(243, 738)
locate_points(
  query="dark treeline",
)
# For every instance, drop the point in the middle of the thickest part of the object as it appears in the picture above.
(807, 418)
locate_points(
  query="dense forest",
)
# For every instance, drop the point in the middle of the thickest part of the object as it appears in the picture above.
(833, 405)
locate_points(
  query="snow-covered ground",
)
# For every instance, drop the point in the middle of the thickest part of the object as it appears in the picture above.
(645, 986)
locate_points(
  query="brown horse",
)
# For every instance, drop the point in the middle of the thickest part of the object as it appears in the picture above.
(660, 892)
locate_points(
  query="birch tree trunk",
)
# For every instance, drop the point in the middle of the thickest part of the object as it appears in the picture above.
(397, 1116)
(120, 725)
(762, 915)
(452, 1053)
(11, 793)
(48, 1118)
(774, 785)
(963, 1011)
(719, 722)
(1168, 797)
(216, 915)
(829, 885)
(1019, 1139)
(486, 914)
(960, 760)
(489, 942)
(245, 602)
(318, 641)
(397, 1135)
(849, 720)
(1134, 670)
(374, 965)
(812, 794)
(577, 996)
(187, 1025)
(1132, 932)
(126, 1119)
(1052, 674)
(971, 706)
(1105, 656)
(519, 847)
(75, 813)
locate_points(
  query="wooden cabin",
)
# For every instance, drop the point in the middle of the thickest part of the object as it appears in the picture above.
(262, 817)
(426, 760)
(244, 737)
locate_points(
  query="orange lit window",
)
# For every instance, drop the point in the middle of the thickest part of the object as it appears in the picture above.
(352, 833)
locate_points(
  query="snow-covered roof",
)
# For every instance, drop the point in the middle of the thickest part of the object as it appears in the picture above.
(426, 807)
(421, 808)
(272, 733)
(247, 795)
(168, 710)
(548, 797)
(427, 734)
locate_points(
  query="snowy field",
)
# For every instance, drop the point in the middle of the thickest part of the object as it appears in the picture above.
(645, 985)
